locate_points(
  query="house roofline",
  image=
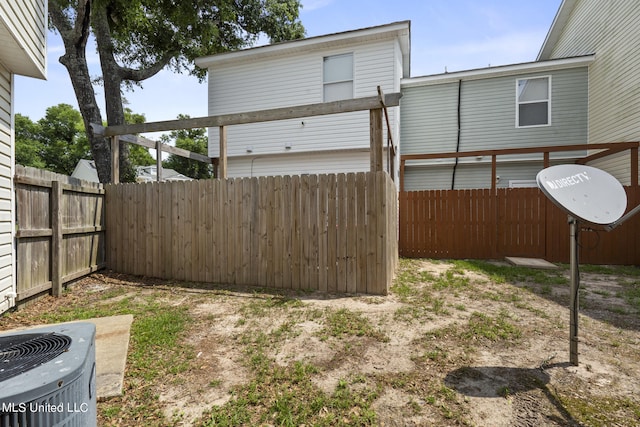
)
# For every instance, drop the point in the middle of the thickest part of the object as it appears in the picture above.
(503, 70)
(556, 29)
(17, 58)
(402, 29)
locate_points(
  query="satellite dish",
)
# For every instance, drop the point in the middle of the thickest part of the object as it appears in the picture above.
(584, 192)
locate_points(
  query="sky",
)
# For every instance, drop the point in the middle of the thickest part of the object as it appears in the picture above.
(446, 35)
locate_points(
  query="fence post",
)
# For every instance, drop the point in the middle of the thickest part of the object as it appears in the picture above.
(634, 167)
(56, 238)
(115, 159)
(158, 161)
(222, 163)
(375, 136)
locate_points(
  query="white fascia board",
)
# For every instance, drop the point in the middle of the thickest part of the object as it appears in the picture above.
(504, 70)
(557, 27)
(400, 29)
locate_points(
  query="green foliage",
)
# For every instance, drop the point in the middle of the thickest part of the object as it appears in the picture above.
(147, 32)
(194, 140)
(55, 142)
(28, 145)
(138, 155)
(58, 141)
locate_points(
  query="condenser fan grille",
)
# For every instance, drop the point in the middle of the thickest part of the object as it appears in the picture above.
(20, 353)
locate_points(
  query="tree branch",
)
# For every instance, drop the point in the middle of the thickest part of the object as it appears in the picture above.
(150, 71)
(73, 34)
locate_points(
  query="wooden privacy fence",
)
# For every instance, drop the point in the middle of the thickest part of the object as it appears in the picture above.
(59, 230)
(332, 233)
(491, 224)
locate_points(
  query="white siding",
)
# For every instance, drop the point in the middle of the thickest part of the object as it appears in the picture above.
(295, 164)
(297, 80)
(608, 28)
(23, 31)
(6, 191)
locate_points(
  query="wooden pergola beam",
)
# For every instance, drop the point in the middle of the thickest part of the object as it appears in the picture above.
(320, 109)
(528, 150)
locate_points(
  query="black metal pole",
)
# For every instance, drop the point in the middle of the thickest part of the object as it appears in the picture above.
(575, 285)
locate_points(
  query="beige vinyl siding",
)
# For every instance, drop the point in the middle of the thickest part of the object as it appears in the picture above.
(429, 114)
(429, 124)
(469, 175)
(610, 30)
(23, 34)
(297, 80)
(6, 191)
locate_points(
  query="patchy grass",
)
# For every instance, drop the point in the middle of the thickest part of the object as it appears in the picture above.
(411, 357)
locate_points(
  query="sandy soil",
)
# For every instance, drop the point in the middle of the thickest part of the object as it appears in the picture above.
(519, 381)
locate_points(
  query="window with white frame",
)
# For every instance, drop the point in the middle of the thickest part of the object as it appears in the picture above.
(338, 77)
(533, 102)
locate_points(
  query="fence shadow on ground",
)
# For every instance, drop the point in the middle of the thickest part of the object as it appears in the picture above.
(240, 291)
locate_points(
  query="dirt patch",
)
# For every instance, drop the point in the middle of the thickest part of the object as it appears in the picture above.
(446, 347)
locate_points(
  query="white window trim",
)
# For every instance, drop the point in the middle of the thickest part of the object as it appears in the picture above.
(548, 103)
(353, 74)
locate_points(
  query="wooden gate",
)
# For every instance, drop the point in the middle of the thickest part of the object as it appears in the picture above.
(59, 230)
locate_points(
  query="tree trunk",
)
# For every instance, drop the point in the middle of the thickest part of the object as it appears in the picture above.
(112, 79)
(74, 36)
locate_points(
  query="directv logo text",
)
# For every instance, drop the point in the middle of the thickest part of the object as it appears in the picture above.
(568, 181)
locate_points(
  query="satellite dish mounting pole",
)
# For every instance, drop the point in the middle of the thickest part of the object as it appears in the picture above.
(574, 236)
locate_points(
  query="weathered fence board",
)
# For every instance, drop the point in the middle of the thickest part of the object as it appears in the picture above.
(60, 230)
(335, 233)
(510, 222)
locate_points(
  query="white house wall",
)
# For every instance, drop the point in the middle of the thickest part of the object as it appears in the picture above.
(6, 191)
(297, 80)
(610, 30)
(298, 164)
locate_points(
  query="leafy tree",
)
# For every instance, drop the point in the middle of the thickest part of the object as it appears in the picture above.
(28, 145)
(58, 140)
(192, 140)
(138, 155)
(136, 39)
(55, 142)
(63, 138)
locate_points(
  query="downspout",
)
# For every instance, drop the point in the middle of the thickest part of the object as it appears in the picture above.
(455, 165)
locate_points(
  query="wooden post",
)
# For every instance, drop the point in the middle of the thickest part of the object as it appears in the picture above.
(401, 175)
(158, 161)
(115, 159)
(546, 159)
(494, 175)
(222, 163)
(56, 238)
(215, 161)
(634, 167)
(375, 136)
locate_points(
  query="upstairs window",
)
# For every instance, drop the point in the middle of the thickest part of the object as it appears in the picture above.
(338, 77)
(533, 102)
